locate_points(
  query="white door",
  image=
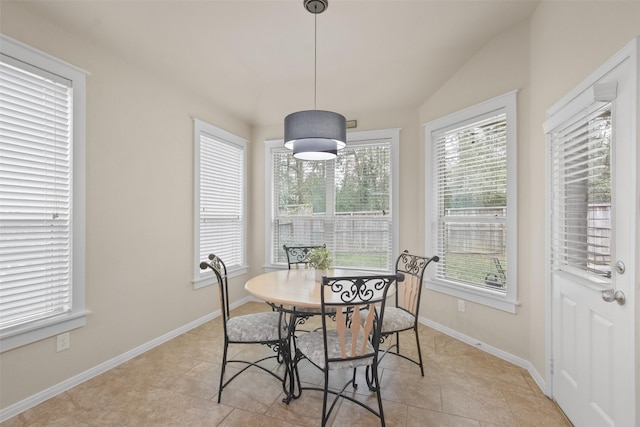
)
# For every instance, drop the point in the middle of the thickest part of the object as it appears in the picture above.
(591, 235)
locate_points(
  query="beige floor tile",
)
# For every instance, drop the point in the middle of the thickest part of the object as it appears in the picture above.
(199, 347)
(306, 410)
(491, 384)
(241, 418)
(351, 414)
(418, 417)
(533, 385)
(252, 391)
(159, 366)
(411, 390)
(441, 366)
(153, 406)
(446, 345)
(57, 411)
(312, 376)
(488, 424)
(467, 400)
(202, 381)
(408, 348)
(176, 384)
(535, 411)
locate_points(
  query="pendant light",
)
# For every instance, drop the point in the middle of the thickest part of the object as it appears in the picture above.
(315, 134)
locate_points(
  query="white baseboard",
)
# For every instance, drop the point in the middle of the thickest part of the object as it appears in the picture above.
(69, 383)
(518, 361)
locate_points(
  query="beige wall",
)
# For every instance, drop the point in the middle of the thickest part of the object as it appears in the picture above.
(544, 59)
(411, 179)
(140, 160)
(139, 185)
(500, 67)
(139, 211)
(569, 41)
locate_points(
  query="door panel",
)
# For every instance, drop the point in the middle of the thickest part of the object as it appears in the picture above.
(567, 360)
(601, 365)
(584, 360)
(593, 370)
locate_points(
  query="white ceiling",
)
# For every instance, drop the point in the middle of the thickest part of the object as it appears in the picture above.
(256, 58)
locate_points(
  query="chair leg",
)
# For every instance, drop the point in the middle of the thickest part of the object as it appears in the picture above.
(376, 381)
(222, 368)
(292, 376)
(419, 351)
(355, 385)
(325, 416)
(368, 373)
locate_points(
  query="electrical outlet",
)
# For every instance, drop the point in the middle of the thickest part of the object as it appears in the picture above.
(461, 305)
(62, 342)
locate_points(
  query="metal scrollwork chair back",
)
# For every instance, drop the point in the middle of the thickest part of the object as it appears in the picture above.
(299, 255)
(402, 315)
(351, 340)
(267, 328)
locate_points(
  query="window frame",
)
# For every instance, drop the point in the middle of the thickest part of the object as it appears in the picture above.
(360, 137)
(30, 332)
(558, 183)
(503, 301)
(208, 278)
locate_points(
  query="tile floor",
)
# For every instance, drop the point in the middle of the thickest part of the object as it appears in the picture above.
(176, 384)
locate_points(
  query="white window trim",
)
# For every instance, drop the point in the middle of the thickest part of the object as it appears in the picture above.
(506, 302)
(209, 278)
(32, 332)
(360, 137)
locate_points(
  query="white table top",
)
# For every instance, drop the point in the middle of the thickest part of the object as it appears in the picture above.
(296, 287)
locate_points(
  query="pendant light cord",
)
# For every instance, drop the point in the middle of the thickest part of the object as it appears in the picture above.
(315, 61)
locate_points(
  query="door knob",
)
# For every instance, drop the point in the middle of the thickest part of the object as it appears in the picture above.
(611, 295)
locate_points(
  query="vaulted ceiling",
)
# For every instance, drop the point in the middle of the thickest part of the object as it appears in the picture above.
(256, 58)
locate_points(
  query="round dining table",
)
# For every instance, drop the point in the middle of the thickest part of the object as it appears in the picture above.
(297, 293)
(296, 287)
(289, 291)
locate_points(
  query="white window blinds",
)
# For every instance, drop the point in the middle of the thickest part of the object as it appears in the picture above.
(363, 213)
(35, 193)
(300, 202)
(471, 203)
(221, 198)
(345, 203)
(581, 194)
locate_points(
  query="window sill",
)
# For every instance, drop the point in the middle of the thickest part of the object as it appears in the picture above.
(479, 296)
(27, 334)
(210, 278)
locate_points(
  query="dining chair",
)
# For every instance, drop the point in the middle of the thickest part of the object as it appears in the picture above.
(350, 341)
(298, 256)
(267, 328)
(402, 314)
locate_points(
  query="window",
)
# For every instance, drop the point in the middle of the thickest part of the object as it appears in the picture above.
(42, 184)
(471, 203)
(220, 170)
(581, 188)
(348, 203)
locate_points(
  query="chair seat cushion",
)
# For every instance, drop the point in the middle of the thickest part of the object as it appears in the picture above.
(256, 327)
(311, 345)
(397, 319)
